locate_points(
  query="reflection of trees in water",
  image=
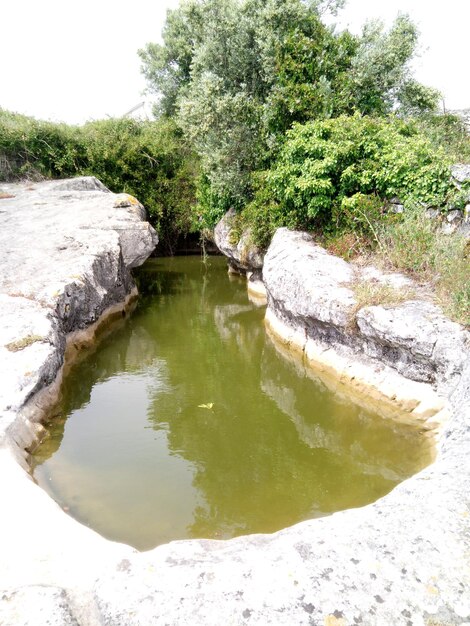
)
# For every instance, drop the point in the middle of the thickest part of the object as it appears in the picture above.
(265, 456)
(253, 472)
(261, 471)
(234, 446)
(124, 345)
(373, 445)
(129, 348)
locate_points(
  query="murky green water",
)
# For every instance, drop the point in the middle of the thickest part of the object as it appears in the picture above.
(134, 454)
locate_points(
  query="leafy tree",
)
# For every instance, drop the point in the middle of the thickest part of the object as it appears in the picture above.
(380, 67)
(167, 66)
(237, 74)
(415, 98)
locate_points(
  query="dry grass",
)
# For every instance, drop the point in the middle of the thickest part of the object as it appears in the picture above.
(416, 246)
(376, 293)
(348, 246)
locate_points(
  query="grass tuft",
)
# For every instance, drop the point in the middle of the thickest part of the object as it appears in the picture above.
(417, 246)
(372, 292)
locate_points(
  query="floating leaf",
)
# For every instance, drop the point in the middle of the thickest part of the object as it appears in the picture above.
(209, 405)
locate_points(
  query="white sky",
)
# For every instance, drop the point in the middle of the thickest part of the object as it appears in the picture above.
(75, 61)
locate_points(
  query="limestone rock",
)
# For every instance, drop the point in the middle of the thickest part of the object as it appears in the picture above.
(454, 216)
(461, 172)
(66, 257)
(304, 282)
(81, 183)
(125, 200)
(432, 213)
(425, 345)
(256, 289)
(242, 255)
(38, 605)
(311, 291)
(396, 206)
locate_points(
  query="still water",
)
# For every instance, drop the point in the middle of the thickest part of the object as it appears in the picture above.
(186, 421)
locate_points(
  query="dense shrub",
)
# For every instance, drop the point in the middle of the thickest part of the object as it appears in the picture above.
(338, 174)
(39, 149)
(149, 160)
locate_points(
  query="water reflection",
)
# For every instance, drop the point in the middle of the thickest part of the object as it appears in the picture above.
(187, 422)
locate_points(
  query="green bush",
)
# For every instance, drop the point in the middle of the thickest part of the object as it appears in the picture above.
(339, 173)
(211, 206)
(39, 149)
(149, 160)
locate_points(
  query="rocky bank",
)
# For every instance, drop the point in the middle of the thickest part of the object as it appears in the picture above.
(403, 560)
(242, 256)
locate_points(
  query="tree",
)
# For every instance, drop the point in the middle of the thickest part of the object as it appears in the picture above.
(237, 74)
(380, 67)
(167, 66)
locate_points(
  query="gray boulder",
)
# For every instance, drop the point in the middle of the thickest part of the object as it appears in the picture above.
(312, 292)
(242, 255)
(81, 183)
(305, 284)
(461, 172)
(40, 605)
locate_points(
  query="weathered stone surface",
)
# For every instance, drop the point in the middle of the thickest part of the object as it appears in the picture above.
(304, 281)
(311, 291)
(66, 255)
(455, 222)
(432, 213)
(81, 183)
(38, 606)
(255, 288)
(243, 256)
(403, 560)
(396, 206)
(461, 172)
(454, 216)
(425, 345)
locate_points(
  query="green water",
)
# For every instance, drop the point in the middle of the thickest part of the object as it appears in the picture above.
(132, 454)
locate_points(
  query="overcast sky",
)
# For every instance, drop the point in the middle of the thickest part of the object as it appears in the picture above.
(73, 62)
